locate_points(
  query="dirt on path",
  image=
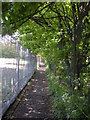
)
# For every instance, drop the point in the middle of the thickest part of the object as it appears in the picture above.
(34, 100)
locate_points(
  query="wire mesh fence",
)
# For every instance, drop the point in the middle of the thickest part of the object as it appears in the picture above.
(17, 65)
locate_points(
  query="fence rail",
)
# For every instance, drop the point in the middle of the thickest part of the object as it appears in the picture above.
(17, 65)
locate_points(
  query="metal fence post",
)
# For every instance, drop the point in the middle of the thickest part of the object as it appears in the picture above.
(0, 83)
(0, 57)
(18, 59)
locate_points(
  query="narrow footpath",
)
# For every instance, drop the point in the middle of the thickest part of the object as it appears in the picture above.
(34, 100)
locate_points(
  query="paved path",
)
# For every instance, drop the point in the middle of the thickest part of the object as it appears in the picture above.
(34, 101)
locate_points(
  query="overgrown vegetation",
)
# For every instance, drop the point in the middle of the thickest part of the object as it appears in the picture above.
(60, 33)
(65, 103)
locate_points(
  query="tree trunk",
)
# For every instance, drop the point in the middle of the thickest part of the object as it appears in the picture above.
(74, 44)
(74, 58)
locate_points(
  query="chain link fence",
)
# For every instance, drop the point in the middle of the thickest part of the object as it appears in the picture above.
(17, 65)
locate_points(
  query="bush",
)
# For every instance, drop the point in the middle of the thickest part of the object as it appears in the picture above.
(67, 105)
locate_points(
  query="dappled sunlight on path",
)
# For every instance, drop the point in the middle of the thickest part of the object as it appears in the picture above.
(35, 102)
